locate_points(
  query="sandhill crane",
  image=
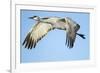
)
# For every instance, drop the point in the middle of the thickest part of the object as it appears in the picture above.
(46, 24)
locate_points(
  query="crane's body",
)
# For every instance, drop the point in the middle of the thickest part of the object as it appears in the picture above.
(58, 22)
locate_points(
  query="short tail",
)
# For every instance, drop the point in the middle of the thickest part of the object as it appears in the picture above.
(81, 35)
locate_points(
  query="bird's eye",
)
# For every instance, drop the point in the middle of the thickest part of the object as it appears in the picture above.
(34, 16)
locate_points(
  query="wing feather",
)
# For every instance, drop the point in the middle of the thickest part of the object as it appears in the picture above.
(71, 34)
(36, 34)
(70, 39)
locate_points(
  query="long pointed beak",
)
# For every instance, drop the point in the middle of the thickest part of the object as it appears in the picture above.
(30, 17)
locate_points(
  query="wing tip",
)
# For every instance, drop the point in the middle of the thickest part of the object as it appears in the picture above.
(28, 42)
(69, 42)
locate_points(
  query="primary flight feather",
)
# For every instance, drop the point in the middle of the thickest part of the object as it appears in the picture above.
(44, 25)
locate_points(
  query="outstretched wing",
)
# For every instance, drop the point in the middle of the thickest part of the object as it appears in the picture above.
(36, 34)
(71, 33)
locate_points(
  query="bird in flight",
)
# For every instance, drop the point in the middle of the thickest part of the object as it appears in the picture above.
(46, 24)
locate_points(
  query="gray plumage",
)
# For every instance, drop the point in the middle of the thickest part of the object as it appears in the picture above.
(46, 24)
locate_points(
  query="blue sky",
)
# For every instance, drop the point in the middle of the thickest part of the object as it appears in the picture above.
(52, 46)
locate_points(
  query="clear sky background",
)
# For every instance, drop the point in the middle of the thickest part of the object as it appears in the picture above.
(52, 46)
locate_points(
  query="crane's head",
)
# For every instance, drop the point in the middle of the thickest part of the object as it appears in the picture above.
(35, 18)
